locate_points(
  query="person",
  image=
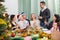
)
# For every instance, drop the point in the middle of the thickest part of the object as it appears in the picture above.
(44, 14)
(55, 27)
(59, 23)
(24, 16)
(34, 22)
(23, 24)
(55, 19)
(13, 23)
(17, 18)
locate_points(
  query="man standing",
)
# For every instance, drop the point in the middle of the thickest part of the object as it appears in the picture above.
(44, 14)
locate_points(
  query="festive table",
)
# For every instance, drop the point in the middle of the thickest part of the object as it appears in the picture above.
(32, 36)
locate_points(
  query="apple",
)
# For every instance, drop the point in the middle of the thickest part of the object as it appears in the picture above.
(13, 35)
(2, 39)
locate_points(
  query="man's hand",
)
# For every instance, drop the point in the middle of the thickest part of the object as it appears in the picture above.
(39, 17)
(45, 22)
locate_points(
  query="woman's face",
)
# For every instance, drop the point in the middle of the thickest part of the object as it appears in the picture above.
(14, 18)
(33, 16)
(54, 24)
(54, 18)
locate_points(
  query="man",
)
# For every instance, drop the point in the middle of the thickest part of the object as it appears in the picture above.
(44, 14)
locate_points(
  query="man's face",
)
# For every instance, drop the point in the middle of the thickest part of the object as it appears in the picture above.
(41, 5)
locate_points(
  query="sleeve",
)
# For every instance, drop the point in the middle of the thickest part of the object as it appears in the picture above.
(49, 26)
(40, 13)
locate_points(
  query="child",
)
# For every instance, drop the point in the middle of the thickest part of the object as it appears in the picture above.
(55, 27)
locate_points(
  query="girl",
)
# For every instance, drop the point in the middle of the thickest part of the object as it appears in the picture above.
(13, 23)
(34, 22)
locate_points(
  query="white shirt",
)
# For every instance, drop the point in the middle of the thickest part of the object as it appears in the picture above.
(43, 8)
(35, 23)
(23, 24)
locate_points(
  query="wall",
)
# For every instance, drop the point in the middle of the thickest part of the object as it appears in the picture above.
(12, 6)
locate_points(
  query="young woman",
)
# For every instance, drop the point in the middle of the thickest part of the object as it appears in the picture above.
(13, 23)
(34, 22)
(55, 19)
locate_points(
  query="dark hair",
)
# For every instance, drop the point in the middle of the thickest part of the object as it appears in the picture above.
(1, 0)
(7, 15)
(57, 17)
(18, 15)
(11, 17)
(42, 2)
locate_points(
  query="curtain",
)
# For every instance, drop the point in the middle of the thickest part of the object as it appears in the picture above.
(33, 6)
(24, 6)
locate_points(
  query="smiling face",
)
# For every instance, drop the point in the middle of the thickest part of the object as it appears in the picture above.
(55, 24)
(42, 4)
(14, 18)
(33, 16)
(54, 18)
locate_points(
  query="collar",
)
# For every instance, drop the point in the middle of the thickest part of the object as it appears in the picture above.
(44, 8)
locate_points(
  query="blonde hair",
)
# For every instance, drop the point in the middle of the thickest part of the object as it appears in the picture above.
(32, 15)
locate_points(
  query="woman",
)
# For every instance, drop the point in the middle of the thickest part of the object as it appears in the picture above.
(13, 23)
(34, 22)
(55, 19)
(23, 24)
(55, 27)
